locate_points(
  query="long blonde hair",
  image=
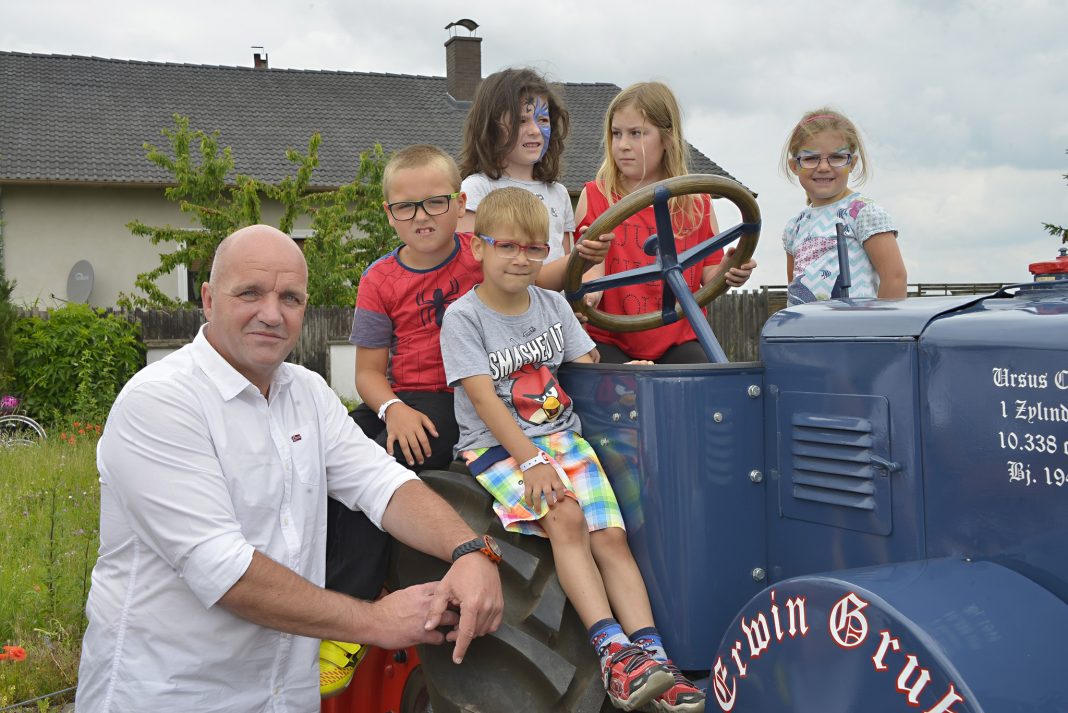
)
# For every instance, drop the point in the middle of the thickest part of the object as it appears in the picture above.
(658, 106)
(816, 122)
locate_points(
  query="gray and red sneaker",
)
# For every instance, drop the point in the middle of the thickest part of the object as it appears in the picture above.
(632, 677)
(682, 697)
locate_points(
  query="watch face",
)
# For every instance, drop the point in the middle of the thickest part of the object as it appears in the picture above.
(493, 546)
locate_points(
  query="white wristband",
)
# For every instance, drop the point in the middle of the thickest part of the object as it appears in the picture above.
(536, 460)
(383, 407)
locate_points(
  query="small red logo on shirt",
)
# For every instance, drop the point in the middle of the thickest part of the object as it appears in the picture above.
(295, 437)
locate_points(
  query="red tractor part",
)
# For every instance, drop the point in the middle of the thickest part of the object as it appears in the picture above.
(1056, 269)
(386, 681)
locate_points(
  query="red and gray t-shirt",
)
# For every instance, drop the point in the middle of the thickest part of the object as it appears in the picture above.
(401, 308)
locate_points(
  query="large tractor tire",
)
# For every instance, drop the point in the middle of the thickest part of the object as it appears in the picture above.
(540, 659)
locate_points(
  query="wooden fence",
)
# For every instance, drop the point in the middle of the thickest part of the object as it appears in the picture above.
(736, 317)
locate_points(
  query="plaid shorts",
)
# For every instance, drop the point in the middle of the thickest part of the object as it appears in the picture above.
(578, 468)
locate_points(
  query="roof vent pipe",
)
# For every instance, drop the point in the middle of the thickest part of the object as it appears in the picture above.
(259, 59)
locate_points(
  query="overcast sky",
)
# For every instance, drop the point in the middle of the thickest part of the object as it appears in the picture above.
(964, 105)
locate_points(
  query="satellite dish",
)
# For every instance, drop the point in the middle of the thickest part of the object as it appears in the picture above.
(80, 282)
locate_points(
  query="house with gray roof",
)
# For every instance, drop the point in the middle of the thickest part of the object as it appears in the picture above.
(73, 170)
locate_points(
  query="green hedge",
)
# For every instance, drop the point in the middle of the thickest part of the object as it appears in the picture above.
(8, 317)
(73, 363)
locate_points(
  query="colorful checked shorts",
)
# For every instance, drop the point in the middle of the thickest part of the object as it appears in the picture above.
(581, 474)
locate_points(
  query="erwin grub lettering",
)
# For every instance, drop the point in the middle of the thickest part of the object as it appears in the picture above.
(759, 638)
(848, 627)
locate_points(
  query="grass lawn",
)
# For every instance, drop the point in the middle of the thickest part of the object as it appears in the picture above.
(49, 507)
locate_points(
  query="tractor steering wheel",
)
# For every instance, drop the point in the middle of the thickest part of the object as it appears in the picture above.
(678, 300)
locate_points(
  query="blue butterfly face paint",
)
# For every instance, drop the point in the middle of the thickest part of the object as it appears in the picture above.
(541, 118)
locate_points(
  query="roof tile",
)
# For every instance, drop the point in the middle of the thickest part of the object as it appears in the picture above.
(86, 119)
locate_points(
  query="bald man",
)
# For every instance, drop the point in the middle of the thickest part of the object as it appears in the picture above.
(215, 466)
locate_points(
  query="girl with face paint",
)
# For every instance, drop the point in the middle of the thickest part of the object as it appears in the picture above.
(643, 144)
(514, 136)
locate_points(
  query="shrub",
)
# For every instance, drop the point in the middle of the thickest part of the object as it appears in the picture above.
(74, 362)
(8, 315)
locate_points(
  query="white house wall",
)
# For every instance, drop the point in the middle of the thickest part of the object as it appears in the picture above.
(48, 228)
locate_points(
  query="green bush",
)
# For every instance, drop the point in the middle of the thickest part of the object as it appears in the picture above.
(8, 315)
(74, 362)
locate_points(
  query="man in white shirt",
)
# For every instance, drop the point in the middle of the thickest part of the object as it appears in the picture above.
(215, 465)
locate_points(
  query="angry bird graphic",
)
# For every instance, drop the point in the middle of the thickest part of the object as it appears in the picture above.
(536, 395)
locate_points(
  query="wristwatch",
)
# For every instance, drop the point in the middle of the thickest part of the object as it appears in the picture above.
(485, 544)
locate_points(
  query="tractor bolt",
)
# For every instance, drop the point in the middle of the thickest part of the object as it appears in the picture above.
(633, 415)
(717, 417)
(615, 418)
(756, 476)
(754, 391)
(759, 574)
(604, 442)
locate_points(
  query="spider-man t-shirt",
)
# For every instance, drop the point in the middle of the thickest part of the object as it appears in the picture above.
(401, 308)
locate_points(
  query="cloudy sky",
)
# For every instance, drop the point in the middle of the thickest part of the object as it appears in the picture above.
(964, 105)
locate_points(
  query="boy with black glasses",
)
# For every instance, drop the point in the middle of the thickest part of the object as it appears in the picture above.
(407, 406)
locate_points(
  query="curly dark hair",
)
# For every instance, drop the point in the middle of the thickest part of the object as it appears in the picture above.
(490, 134)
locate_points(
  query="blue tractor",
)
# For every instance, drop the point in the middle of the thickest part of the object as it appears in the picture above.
(874, 517)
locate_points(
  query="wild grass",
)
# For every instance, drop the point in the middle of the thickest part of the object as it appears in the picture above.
(49, 510)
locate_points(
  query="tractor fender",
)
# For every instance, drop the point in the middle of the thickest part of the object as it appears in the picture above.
(937, 636)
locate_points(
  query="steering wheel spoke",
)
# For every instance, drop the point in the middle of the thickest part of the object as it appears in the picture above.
(669, 266)
(637, 276)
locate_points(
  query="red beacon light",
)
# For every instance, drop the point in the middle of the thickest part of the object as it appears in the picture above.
(1051, 270)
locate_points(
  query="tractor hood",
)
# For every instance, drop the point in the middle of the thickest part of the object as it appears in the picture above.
(862, 319)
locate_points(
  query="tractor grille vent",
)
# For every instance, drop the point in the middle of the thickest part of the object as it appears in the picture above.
(834, 454)
(832, 460)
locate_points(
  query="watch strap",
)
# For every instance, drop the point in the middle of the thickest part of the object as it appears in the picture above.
(383, 407)
(484, 544)
(536, 460)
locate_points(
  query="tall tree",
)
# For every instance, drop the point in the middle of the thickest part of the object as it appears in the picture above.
(349, 232)
(336, 253)
(1057, 230)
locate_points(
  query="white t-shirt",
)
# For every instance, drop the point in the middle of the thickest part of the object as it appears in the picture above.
(555, 197)
(197, 470)
(812, 239)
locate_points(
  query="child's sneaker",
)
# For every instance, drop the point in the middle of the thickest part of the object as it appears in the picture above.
(632, 677)
(682, 697)
(337, 663)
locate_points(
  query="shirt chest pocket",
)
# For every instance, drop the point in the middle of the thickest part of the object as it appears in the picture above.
(306, 455)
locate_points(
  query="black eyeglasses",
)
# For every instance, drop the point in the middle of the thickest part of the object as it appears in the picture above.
(434, 205)
(834, 160)
(536, 252)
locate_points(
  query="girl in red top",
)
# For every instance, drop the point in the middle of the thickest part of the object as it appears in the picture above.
(644, 144)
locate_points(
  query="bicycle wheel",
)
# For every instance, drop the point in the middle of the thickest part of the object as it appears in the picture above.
(17, 430)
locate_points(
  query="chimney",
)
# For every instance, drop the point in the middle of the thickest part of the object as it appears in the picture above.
(463, 61)
(259, 59)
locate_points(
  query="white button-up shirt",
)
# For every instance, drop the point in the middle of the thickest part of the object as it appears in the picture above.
(197, 470)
